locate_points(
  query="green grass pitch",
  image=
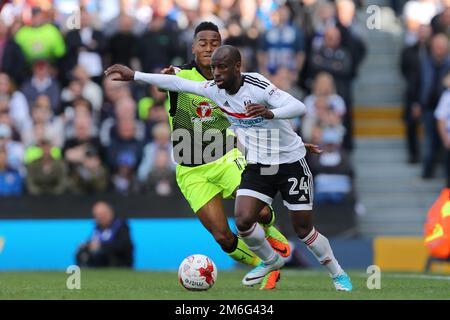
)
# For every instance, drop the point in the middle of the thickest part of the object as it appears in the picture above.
(294, 285)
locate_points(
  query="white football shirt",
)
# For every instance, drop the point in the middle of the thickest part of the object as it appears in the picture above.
(266, 141)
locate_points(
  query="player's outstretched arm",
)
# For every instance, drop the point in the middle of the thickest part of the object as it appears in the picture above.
(163, 81)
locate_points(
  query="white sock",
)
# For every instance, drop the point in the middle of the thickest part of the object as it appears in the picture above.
(321, 249)
(255, 239)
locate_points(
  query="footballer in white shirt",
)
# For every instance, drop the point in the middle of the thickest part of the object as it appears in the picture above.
(259, 113)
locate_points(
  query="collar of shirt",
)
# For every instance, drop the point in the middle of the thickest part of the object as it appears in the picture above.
(41, 85)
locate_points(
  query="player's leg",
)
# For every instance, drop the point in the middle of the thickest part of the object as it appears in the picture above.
(232, 167)
(212, 216)
(296, 189)
(204, 198)
(247, 209)
(276, 239)
(320, 247)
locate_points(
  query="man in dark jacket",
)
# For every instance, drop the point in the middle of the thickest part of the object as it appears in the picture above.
(110, 244)
(410, 68)
(12, 59)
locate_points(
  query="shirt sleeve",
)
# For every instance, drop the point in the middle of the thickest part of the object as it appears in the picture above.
(282, 104)
(176, 83)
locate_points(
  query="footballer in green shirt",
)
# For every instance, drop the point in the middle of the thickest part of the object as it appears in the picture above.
(204, 183)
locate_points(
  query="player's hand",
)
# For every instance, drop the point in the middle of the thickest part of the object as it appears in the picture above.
(120, 72)
(170, 70)
(313, 148)
(258, 110)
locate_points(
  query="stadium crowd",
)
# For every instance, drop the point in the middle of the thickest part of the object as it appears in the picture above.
(65, 128)
(425, 64)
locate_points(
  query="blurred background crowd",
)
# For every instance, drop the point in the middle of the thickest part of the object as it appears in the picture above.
(66, 129)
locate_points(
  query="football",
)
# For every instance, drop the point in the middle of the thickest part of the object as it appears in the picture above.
(197, 272)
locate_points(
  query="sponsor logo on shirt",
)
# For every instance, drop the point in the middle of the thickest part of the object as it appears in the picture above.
(246, 122)
(203, 111)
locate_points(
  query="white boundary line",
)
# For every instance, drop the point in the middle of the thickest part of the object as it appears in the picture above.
(383, 274)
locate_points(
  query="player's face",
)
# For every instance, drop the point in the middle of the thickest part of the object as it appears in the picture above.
(205, 43)
(225, 71)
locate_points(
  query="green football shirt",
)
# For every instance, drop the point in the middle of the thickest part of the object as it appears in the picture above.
(192, 116)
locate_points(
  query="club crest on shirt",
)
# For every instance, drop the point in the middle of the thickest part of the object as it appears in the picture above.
(203, 110)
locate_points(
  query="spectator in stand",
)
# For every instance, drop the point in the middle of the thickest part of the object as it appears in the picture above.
(314, 17)
(41, 40)
(351, 33)
(124, 179)
(5, 117)
(441, 22)
(434, 66)
(153, 109)
(125, 109)
(332, 170)
(323, 117)
(282, 45)
(410, 68)
(323, 98)
(42, 114)
(85, 47)
(12, 60)
(76, 148)
(72, 92)
(90, 90)
(335, 59)
(17, 103)
(264, 12)
(206, 12)
(227, 9)
(80, 109)
(246, 40)
(110, 245)
(46, 175)
(282, 80)
(160, 141)
(324, 87)
(162, 176)
(442, 115)
(114, 92)
(14, 149)
(352, 39)
(122, 46)
(89, 176)
(159, 45)
(11, 182)
(415, 14)
(124, 139)
(42, 83)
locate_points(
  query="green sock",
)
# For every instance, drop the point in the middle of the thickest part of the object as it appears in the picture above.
(272, 219)
(243, 254)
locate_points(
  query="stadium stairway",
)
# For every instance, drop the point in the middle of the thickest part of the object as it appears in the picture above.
(393, 199)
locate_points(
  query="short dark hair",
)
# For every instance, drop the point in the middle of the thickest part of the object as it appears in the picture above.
(232, 52)
(206, 26)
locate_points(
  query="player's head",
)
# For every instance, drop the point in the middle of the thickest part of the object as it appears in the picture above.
(206, 40)
(226, 66)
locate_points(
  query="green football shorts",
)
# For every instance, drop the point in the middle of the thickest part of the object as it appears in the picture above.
(202, 183)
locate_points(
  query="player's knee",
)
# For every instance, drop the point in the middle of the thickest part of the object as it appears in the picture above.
(303, 229)
(265, 215)
(225, 240)
(244, 222)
